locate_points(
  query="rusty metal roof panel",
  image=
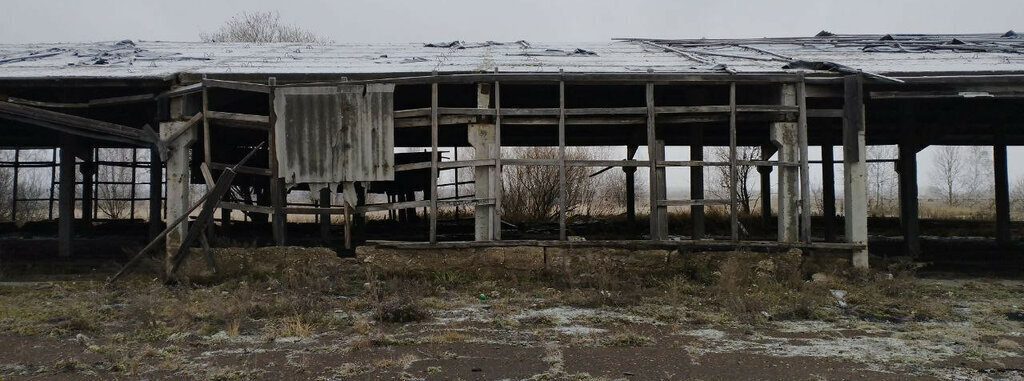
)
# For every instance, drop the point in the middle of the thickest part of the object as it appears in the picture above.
(333, 134)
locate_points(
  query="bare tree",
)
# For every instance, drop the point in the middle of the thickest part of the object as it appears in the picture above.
(261, 27)
(882, 187)
(114, 199)
(1017, 198)
(531, 192)
(949, 169)
(744, 194)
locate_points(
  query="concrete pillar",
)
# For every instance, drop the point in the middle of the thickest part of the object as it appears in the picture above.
(156, 175)
(906, 168)
(66, 197)
(661, 192)
(697, 181)
(1002, 188)
(481, 137)
(178, 181)
(855, 168)
(785, 137)
(828, 191)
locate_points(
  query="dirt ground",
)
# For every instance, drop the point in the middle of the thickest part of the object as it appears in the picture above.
(304, 314)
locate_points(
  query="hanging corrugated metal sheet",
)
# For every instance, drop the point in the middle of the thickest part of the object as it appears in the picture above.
(335, 134)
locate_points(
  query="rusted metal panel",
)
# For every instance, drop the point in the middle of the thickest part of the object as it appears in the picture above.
(335, 134)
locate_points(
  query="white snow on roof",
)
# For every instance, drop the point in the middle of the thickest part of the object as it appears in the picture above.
(147, 59)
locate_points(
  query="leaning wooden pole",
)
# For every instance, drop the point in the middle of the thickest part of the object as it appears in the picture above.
(226, 177)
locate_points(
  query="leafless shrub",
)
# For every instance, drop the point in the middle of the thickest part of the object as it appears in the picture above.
(882, 187)
(531, 192)
(744, 194)
(113, 200)
(261, 27)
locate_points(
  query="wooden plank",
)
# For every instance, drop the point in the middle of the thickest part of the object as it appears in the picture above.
(467, 202)
(243, 169)
(74, 124)
(232, 119)
(182, 90)
(207, 146)
(623, 244)
(499, 178)
(733, 214)
(247, 207)
(652, 167)
(207, 176)
(805, 171)
(240, 86)
(277, 192)
(100, 102)
(433, 161)
(706, 201)
(692, 163)
(562, 186)
(466, 163)
(392, 206)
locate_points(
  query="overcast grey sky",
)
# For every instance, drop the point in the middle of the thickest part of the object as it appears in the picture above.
(23, 21)
(538, 20)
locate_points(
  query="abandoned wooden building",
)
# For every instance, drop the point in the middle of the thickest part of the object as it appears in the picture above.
(358, 119)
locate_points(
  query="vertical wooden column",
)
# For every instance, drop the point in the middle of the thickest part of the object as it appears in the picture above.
(433, 161)
(14, 187)
(805, 170)
(131, 193)
(630, 184)
(179, 176)
(697, 181)
(828, 188)
(156, 175)
(733, 213)
(277, 191)
(855, 168)
(325, 218)
(562, 186)
(53, 180)
(88, 171)
(764, 173)
(656, 220)
(66, 197)
(907, 171)
(1002, 189)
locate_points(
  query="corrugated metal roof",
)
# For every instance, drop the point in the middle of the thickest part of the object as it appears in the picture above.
(144, 59)
(333, 134)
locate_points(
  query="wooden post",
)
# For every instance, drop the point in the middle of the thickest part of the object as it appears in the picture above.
(325, 218)
(562, 186)
(156, 176)
(277, 191)
(805, 171)
(652, 155)
(855, 168)
(14, 190)
(765, 175)
(88, 170)
(65, 223)
(828, 188)
(481, 136)
(907, 171)
(433, 160)
(1002, 188)
(630, 184)
(697, 181)
(131, 192)
(733, 213)
(53, 180)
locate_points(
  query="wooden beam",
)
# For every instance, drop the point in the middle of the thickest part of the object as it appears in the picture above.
(805, 171)
(433, 161)
(562, 186)
(240, 86)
